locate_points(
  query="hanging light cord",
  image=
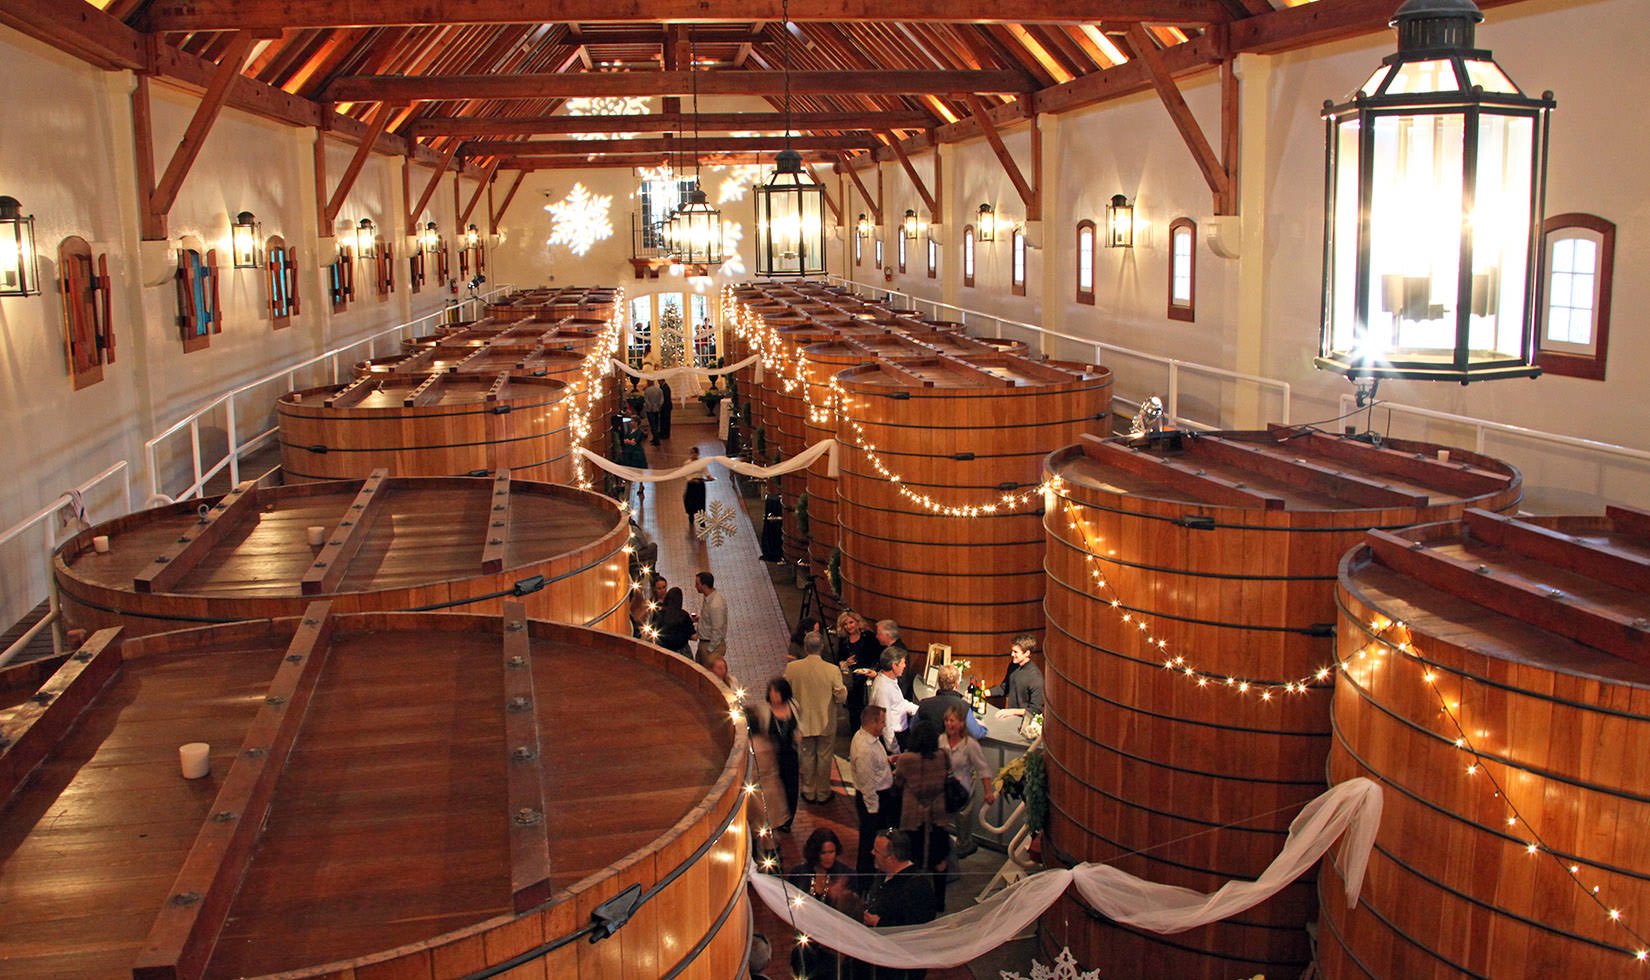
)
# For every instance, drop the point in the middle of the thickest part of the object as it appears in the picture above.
(785, 53)
(692, 58)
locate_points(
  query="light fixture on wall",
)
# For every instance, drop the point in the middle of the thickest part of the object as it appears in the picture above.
(698, 225)
(863, 227)
(472, 236)
(19, 262)
(366, 239)
(908, 227)
(243, 240)
(1119, 223)
(430, 239)
(790, 208)
(985, 226)
(1436, 183)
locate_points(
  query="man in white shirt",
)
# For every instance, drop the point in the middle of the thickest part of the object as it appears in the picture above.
(886, 694)
(874, 799)
(818, 688)
(713, 619)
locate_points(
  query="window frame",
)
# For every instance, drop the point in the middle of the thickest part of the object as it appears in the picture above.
(1186, 311)
(415, 270)
(280, 279)
(1574, 364)
(933, 259)
(341, 279)
(1086, 296)
(969, 263)
(200, 311)
(384, 268)
(877, 253)
(902, 250)
(88, 331)
(859, 250)
(1017, 262)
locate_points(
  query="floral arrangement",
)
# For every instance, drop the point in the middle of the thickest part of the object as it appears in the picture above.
(1026, 778)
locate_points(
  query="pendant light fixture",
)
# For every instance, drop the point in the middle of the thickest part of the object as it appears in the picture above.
(698, 225)
(790, 208)
(1436, 183)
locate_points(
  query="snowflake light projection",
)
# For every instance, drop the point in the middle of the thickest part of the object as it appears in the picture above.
(608, 105)
(1064, 968)
(717, 525)
(738, 178)
(580, 219)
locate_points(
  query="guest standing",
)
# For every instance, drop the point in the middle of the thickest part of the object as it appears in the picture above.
(653, 400)
(713, 618)
(674, 625)
(786, 733)
(874, 799)
(920, 774)
(668, 406)
(885, 694)
(856, 650)
(1022, 686)
(968, 766)
(819, 690)
(693, 492)
(903, 897)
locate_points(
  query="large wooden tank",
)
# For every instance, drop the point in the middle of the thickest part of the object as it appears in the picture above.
(1497, 686)
(388, 795)
(963, 432)
(1187, 718)
(821, 363)
(460, 543)
(433, 425)
(789, 403)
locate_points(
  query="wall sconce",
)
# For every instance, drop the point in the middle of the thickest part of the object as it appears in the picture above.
(908, 227)
(985, 229)
(243, 241)
(366, 239)
(472, 236)
(1119, 223)
(863, 227)
(19, 262)
(430, 239)
(1436, 183)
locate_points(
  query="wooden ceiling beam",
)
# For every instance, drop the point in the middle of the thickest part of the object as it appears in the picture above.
(486, 178)
(166, 189)
(605, 161)
(928, 199)
(1214, 171)
(666, 144)
(397, 88)
(874, 203)
(496, 215)
(217, 15)
(666, 123)
(335, 203)
(429, 189)
(1030, 196)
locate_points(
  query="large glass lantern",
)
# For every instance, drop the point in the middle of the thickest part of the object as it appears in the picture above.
(243, 241)
(19, 262)
(790, 221)
(1434, 192)
(698, 229)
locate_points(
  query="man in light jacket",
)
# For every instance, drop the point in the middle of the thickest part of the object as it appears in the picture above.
(818, 688)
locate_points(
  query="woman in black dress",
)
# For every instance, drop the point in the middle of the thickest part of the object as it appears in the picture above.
(787, 743)
(856, 649)
(675, 626)
(693, 494)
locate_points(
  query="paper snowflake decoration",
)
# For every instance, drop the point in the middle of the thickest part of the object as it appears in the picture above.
(580, 220)
(716, 525)
(1064, 968)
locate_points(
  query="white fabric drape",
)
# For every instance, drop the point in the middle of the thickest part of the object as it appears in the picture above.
(683, 370)
(801, 461)
(1352, 809)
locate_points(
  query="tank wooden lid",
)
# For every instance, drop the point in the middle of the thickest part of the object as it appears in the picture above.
(1284, 468)
(1570, 594)
(382, 787)
(980, 372)
(394, 393)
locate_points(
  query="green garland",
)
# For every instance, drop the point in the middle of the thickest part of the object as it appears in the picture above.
(1036, 791)
(833, 570)
(801, 511)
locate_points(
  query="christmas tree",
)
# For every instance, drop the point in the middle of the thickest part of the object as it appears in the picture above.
(672, 350)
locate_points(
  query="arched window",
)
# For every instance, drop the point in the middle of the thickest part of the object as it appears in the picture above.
(968, 255)
(1182, 269)
(933, 259)
(859, 250)
(415, 269)
(1085, 262)
(281, 277)
(902, 250)
(84, 281)
(878, 256)
(1573, 298)
(341, 279)
(1017, 266)
(198, 316)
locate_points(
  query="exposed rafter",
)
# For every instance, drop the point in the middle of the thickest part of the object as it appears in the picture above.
(416, 88)
(705, 144)
(208, 15)
(1213, 169)
(709, 122)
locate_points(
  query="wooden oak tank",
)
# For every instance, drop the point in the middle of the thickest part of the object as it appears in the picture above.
(788, 401)
(962, 432)
(460, 543)
(1518, 649)
(1188, 719)
(433, 425)
(821, 363)
(389, 795)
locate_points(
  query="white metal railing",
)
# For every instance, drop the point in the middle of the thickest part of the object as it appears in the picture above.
(42, 517)
(1038, 337)
(234, 446)
(1482, 427)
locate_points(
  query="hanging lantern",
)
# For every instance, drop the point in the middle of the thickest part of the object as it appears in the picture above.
(699, 230)
(1119, 223)
(985, 228)
(790, 221)
(366, 239)
(1435, 188)
(908, 227)
(243, 241)
(430, 239)
(19, 262)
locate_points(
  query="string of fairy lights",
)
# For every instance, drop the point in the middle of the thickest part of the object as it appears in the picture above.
(593, 371)
(1387, 636)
